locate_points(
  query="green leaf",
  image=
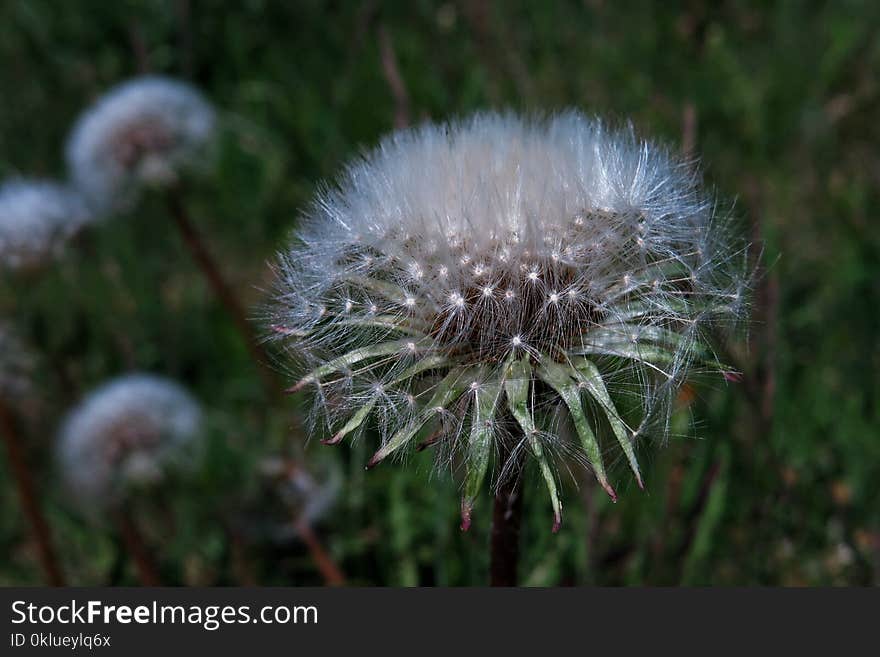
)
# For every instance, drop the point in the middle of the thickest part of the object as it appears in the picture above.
(390, 291)
(516, 386)
(447, 391)
(390, 322)
(352, 357)
(427, 363)
(652, 357)
(479, 446)
(355, 421)
(585, 371)
(558, 377)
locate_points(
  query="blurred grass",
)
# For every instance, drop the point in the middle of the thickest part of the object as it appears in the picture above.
(778, 483)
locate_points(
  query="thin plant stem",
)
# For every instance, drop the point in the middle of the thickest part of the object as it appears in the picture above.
(145, 566)
(506, 520)
(323, 561)
(227, 297)
(27, 494)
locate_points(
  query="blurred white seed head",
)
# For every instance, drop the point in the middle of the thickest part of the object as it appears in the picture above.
(481, 276)
(37, 218)
(17, 365)
(310, 494)
(143, 133)
(125, 434)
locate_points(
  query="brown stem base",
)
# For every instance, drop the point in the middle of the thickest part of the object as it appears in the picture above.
(27, 494)
(506, 520)
(323, 561)
(146, 569)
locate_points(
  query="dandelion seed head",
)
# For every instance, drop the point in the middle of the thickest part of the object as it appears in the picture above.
(142, 133)
(37, 219)
(595, 236)
(124, 435)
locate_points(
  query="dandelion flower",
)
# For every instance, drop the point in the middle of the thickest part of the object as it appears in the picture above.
(499, 279)
(37, 218)
(144, 133)
(125, 434)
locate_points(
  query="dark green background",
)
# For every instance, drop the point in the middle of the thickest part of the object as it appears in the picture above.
(775, 481)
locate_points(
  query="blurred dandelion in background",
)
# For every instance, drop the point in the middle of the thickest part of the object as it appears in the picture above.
(120, 443)
(148, 133)
(37, 219)
(144, 133)
(490, 276)
(124, 436)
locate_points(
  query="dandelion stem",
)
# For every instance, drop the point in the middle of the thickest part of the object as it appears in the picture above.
(329, 570)
(146, 568)
(208, 266)
(27, 494)
(506, 519)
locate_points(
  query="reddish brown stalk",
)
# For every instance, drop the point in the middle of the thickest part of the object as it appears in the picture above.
(332, 574)
(329, 570)
(395, 80)
(206, 263)
(241, 566)
(506, 520)
(147, 572)
(689, 130)
(27, 494)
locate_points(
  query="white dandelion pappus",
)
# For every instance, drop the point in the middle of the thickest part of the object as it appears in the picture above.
(497, 270)
(143, 133)
(37, 218)
(125, 434)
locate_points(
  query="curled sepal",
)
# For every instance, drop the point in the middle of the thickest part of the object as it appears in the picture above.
(516, 387)
(586, 372)
(447, 391)
(353, 357)
(390, 291)
(354, 422)
(557, 377)
(479, 446)
(428, 363)
(651, 357)
(389, 322)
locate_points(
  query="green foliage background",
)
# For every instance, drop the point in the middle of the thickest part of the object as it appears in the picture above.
(776, 482)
